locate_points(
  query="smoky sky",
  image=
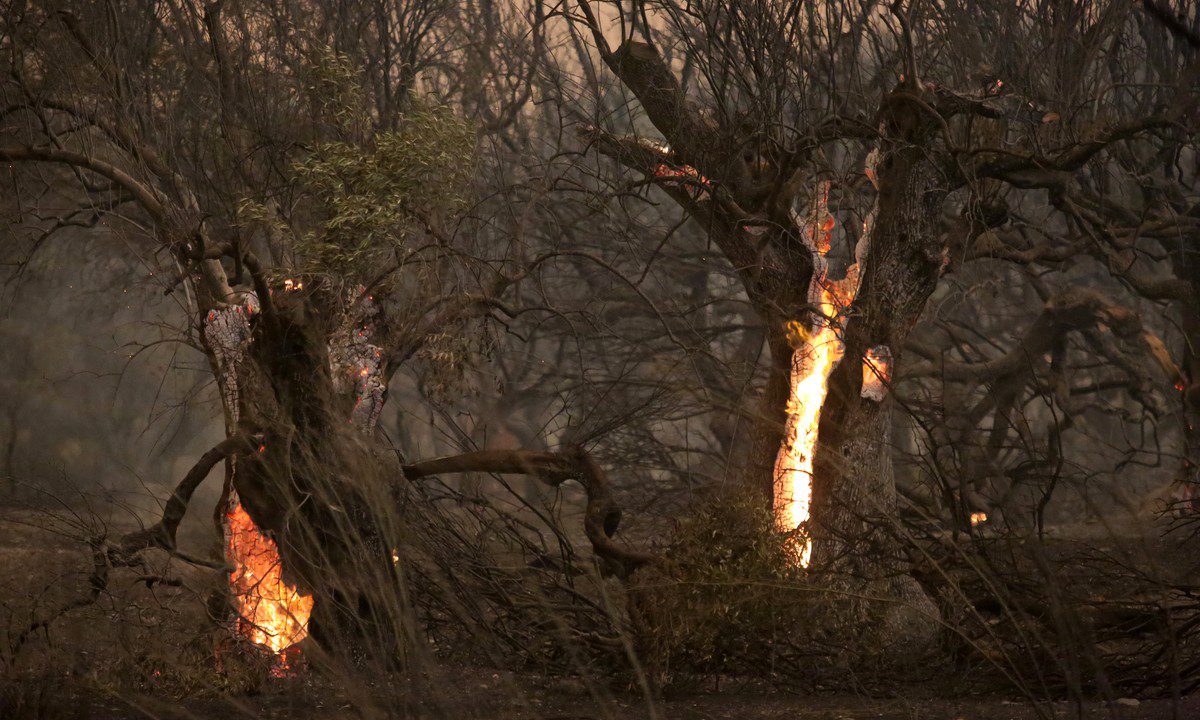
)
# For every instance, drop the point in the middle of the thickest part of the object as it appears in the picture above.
(98, 395)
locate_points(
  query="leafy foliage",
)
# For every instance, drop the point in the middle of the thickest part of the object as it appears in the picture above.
(373, 191)
(373, 198)
(334, 91)
(733, 599)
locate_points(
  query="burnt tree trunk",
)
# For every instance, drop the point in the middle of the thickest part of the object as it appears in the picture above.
(316, 486)
(854, 494)
(768, 431)
(1186, 495)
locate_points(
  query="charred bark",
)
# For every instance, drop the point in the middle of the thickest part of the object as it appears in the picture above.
(320, 487)
(854, 493)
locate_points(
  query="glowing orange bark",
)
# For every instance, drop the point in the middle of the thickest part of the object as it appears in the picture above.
(811, 366)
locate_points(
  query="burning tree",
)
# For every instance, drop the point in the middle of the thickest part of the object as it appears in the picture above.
(309, 222)
(314, 213)
(762, 104)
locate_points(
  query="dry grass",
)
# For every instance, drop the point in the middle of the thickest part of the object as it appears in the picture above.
(149, 652)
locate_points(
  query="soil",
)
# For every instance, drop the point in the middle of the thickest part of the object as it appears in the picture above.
(127, 656)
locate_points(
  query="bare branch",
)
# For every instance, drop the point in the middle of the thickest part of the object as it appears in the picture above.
(162, 533)
(145, 196)
(602, 516)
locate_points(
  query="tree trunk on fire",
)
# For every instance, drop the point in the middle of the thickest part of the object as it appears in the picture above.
(854, 492)
(1186, 495)
(316, 486)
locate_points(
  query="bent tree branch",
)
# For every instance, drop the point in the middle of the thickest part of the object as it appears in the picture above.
(162, 534)
(145, 196)
(602, 516)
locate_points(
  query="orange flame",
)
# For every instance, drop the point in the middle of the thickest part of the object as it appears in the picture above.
(695, 184)
(978, 518)
(271, 612)
(818, 350)
(811, 366)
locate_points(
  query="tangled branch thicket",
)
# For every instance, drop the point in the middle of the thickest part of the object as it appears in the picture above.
(488, 318)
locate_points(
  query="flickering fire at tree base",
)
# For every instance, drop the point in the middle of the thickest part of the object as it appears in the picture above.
(647, 426)
(269, 611)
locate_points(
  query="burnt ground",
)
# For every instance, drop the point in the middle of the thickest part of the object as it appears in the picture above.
(536, 700)
(135, 654)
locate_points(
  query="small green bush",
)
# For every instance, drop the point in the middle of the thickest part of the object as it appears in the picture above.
(733, 601)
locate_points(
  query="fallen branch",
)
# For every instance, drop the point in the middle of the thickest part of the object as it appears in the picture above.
(162, 534)
(602, 516)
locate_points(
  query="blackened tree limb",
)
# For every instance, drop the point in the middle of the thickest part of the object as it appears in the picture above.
(116, 133)
(775, 285)
(162, 534)
(553, 468)
(997, 245)
(261, 289)
(1048, 170)
(690, 132)
(145, 196)
(1162, 12)
(602, 516)
(633, 152)
(1071, 310)
(1107, 247)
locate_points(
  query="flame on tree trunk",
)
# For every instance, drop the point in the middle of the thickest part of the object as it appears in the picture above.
(811, 365)
(271, 612)
(818, 348)
(854, 497)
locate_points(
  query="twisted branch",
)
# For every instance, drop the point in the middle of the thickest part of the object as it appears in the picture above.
(602, 516)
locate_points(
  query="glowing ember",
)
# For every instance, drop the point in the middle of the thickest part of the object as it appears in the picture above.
(290, 285)
(877, 372)
(978, 518)
(818, 349)
(1184, 499)
(686, 176)
(357, 363)
(270, 611)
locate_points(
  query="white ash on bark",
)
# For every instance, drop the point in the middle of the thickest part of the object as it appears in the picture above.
(357, 363)
(227, 331)
(877, 372)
